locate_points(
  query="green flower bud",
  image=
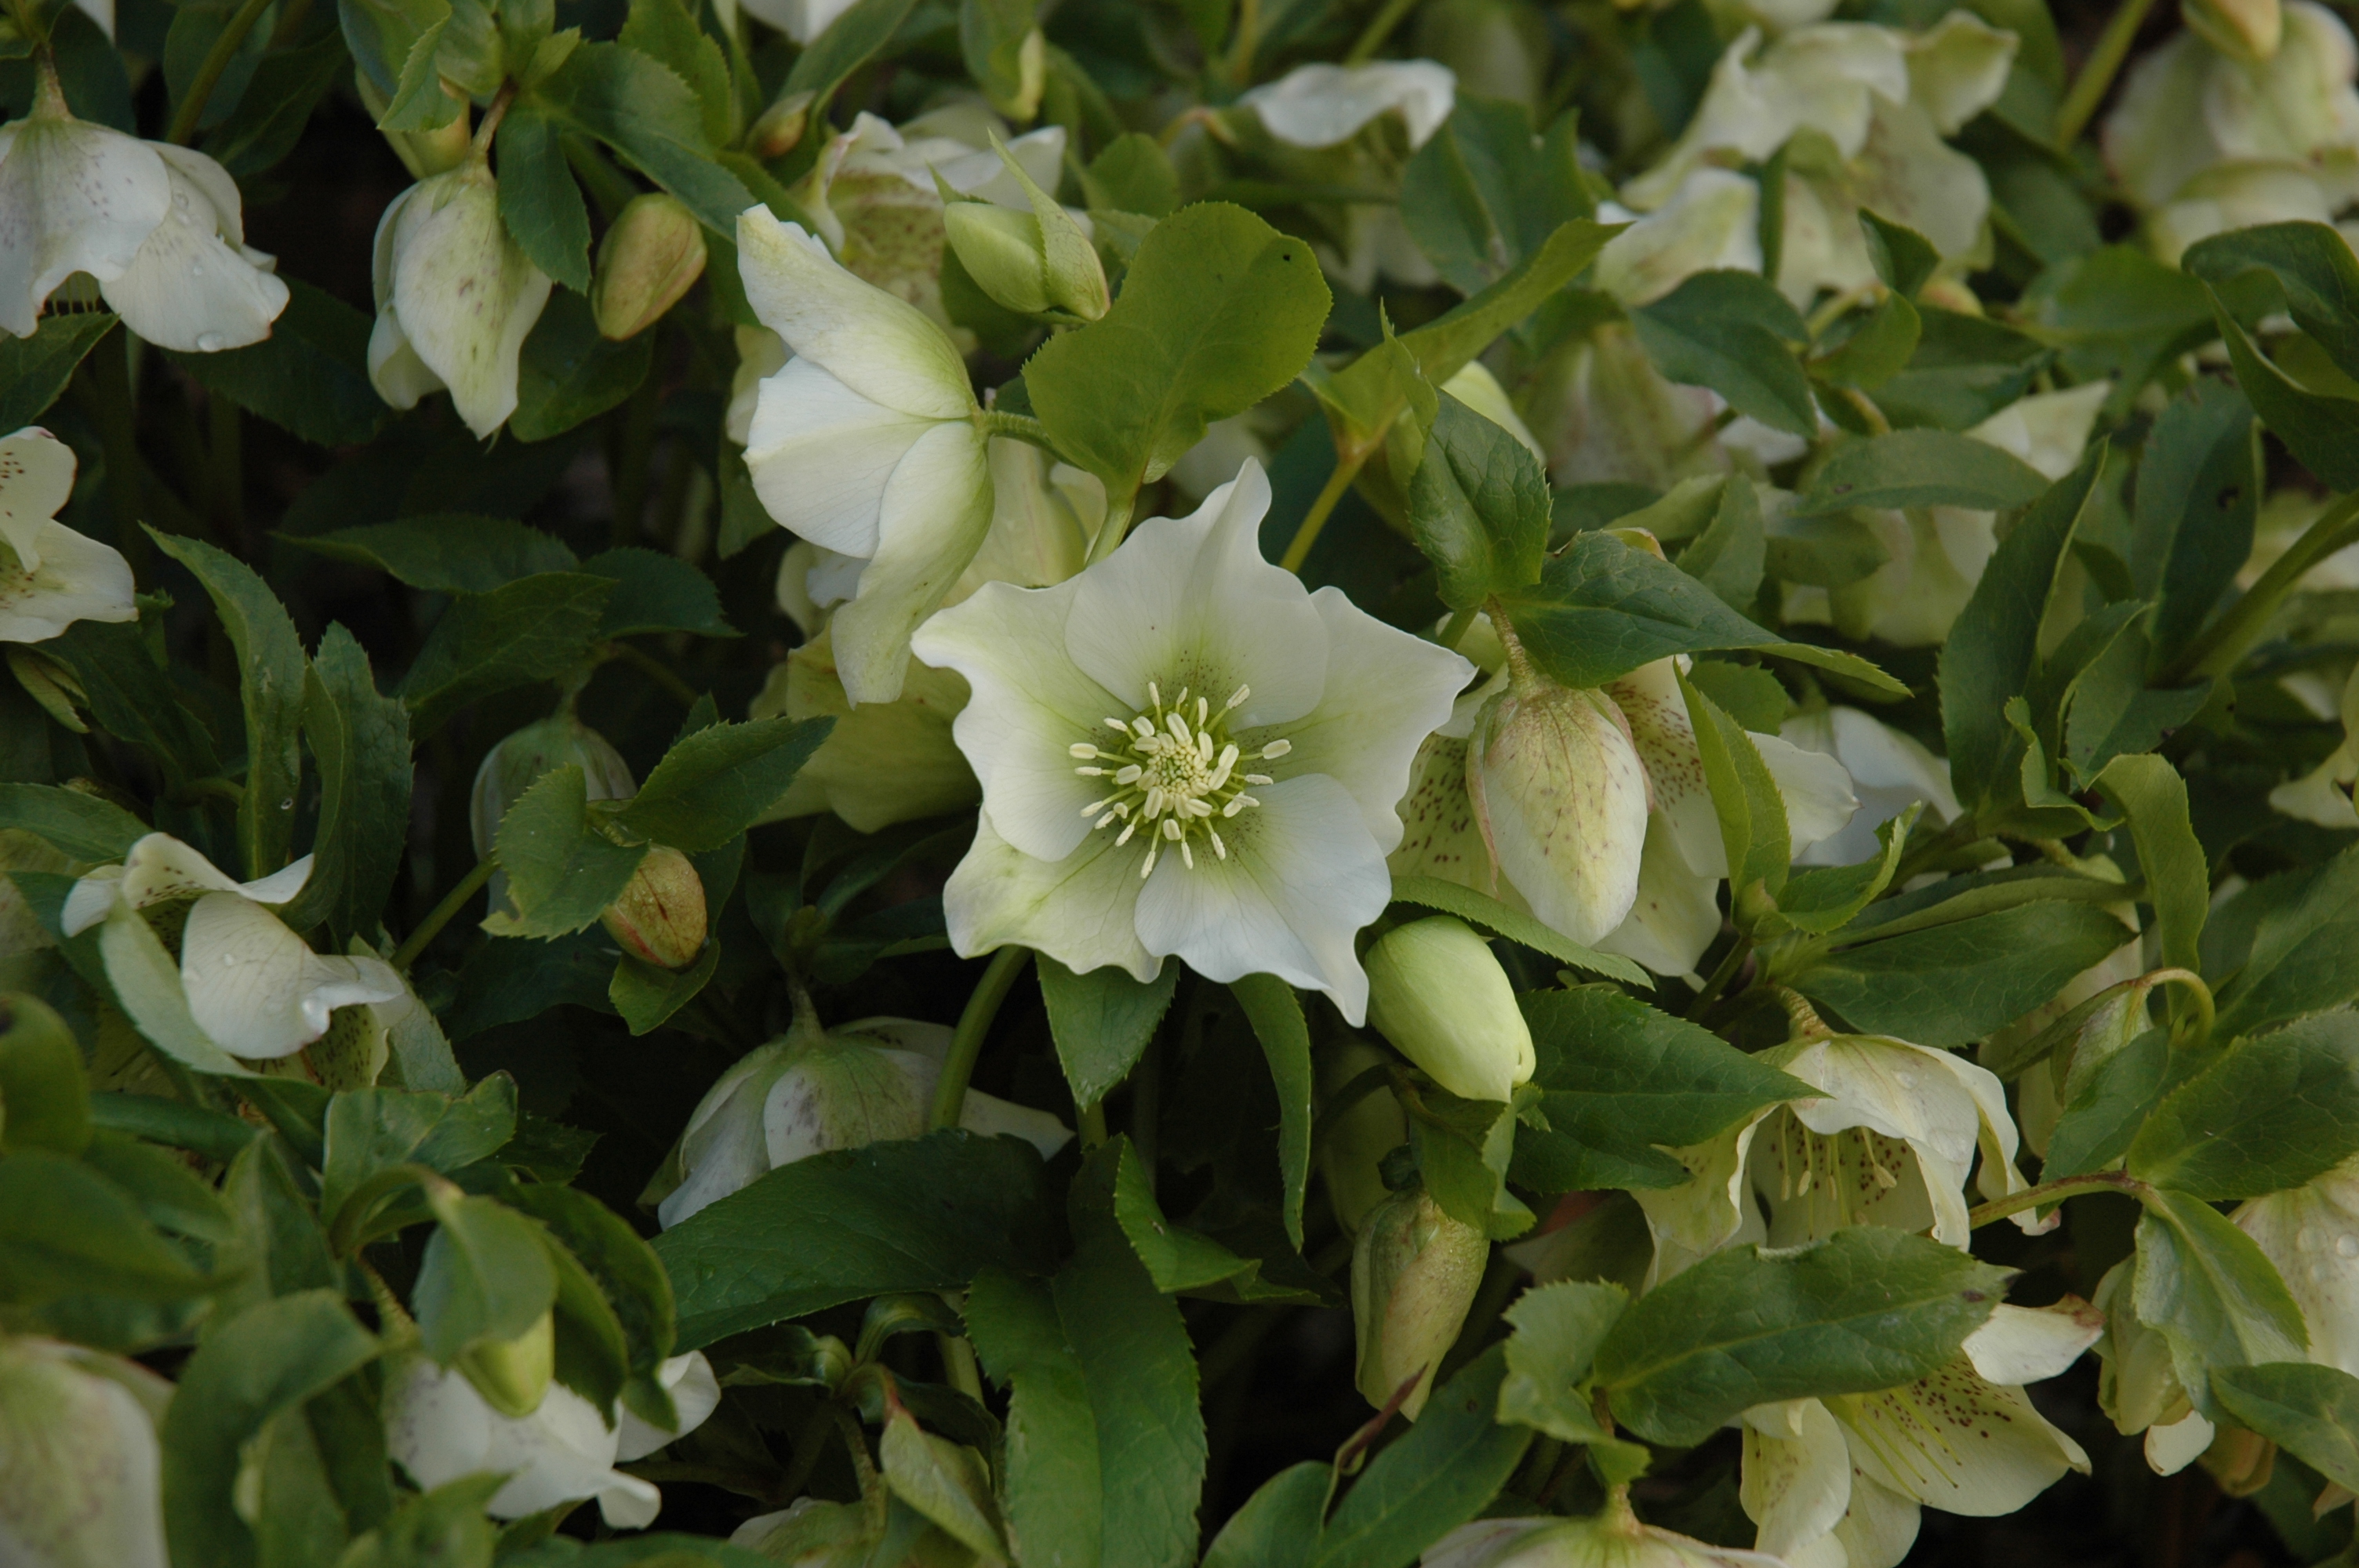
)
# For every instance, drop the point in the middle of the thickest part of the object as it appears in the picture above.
(513, 1374)
(660, 916)
(1031, 262)
(652, 255)
(2242, 30)
(1352, 1146)
(79, 1468)
(511, 768)
(780, 129)
(1561, 797)
(1414, 1271)
(1436, 991)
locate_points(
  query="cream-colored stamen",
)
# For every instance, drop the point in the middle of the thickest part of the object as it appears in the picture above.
(1176, 768)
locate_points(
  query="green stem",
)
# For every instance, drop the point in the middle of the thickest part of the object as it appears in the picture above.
(2225, 642)
(208, 74)
(1110, 532)
(492, 118)
(1380, 27)
(2096, 77)
(1016, 428)
(654, 669)
(1242, 47)
(1453, 630)
(439, 917)
(966, 1041)
(1306, 535)
(2057, 1191)
(1094, 1124)
(1720, 976)
(959, 1365)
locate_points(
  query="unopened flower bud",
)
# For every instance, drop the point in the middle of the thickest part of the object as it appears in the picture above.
(652, 255)
(2240, 1462)
(1356, 1139)
(513, 1374)
(79, 1466)
(780, 129)
(1436, 991)
(512, 767)
(2244, 30)
(1032, 262)
(1561, 797)
(660, 916)
(1414, 1271)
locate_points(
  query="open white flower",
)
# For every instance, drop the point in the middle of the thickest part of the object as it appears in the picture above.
(869, 443)
(254, 987)
(1323, 105)
(159, 227)
(50, 576)
(1121, 724)
(440, 1429)
(81, 1472)
(860, 1083)
(1889, 773)
(455, 298)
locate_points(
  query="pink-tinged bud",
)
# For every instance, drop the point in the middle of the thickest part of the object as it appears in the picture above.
(652, 255)
(1414, 1272)
(780, 129)
(660, 916)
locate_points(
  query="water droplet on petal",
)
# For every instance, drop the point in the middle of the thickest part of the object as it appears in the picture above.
(210, 342)
(2346, 1246)
(196, 272)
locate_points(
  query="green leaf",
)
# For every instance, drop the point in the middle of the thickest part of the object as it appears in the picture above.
(655, 592)
(1438, 1474)
(1478, 507)
(1746, 797)
(626, 1273)
(2119, 312)
(67, 1230)
(1622, 1083)
(644, 111)
(925, 1215)
(34, 370)
(374, 1130)
(2310, 262)
(1102, 1022)
(44, 1101)
(1965, 369)
(446, 552)
(1558, 1329)
(716, 783)
(1484, 193)
(1464, 1148)
(2178, 875)
(1729, 332)
(131, 699)
(2199, 488)
(843, 47)
(1603, 606)
(1218, 311)
(1445, 345)
(1185, 1262)
(1922, 468)
(1994, 646)
(1481, 909)
(1133, 174)
(540, 203)
(2213, 1294)
(270, 118)
(1106, 1443)
(1825, 899)
(271, 673)
(945, 1481)
(2266, 1114)
(1902, 257)
(2320, 428)
(2310, 1410)
(1279, 1525)
(485, 1278)
(1864, 1309)
(310, 377)
(1730, 555)
(2303, 928)
(1276, 1014)
(563, 873)
(1876, 346)
(1956, 982)
(82, 827)
(444, 1528)
(269, 1358)
(570, 373)
(665, 31)
(360, 740)
(533, 628)
(2098, 1125)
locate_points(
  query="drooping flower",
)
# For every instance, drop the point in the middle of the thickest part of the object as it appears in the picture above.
(1889, 773)
(81, 1471)
(1614, 1539)
(50, 576)
(456, 297)
(1321, 105)
(253, 987)
(160, 228)
(869, 443)
(1120, 725)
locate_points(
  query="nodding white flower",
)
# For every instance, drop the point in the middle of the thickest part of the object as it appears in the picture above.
(81, 1471)
(455, 298)
(2139, 1386)
(254, 987)
(1849, 1472)
(1889, 772)
(1324, 106)
(1710, 221)
(160, 228)
(869, 443)
(1614, 1539)
(440, 1429)
(50, 575)
(1186, 752)
(801, 20)
(802, 1095)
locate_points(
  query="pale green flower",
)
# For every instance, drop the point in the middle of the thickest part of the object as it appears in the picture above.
(50, 576)
(81, 1472)
(456, 297)
(1414, 1273)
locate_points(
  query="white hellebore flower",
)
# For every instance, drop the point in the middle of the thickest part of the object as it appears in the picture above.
(1889, 772)
(81, 1472)
(253, 987)
(869, 443)
(2323, 794)
(1324, 106)
(455, 298)
(1614, 1539)
(1121, 723)
(159, 227)
(2311, 1234)
(801, 20)
(50, 576)
(440, 1429)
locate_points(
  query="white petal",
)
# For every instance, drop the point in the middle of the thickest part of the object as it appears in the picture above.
(1560, 796)
(2311, 1234)
(822, 455)
(399, 376)
(1796, 1488)
(1320, 105)
(1880, 1528)
(2028, 1345)
(722, 1149)
(1486, 1543)
(2049, 429)
(74, 196)
(1957, 69)
(1676, 915)
(436, 1426)
(1301, 877)
(934, 513)
(1816, 789)
(997, 1118)
(1958, 1442)
(2172, 1448)
(79, 580)
(158, 868)
(695, 1395)
(1889, 772)
(878, 344)
(1711, 222)
(80, 1466)
(255, 987)
(36, 479)
(625, 1502)
(1190, 600)
(190, 289)
(1080, 909)
(562, 1452)
(466, 294)
(1664, 736)
(1439, 836)
(1708, 1210)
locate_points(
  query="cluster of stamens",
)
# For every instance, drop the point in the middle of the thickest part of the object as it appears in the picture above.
(1174, 773)
(1840, 1174)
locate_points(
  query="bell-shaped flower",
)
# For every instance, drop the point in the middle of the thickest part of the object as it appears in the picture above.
(808, 1092)
(254, 987)
(159, 227)
(1614, 1539)
(1414, 1273)
(1889, 772)
(81, 1471)
(1323, 105)
(440, 1429)
(2138, 1385)
(1185, 753)
(869, 443)
(456, 297)
(50, 576)
(2245, 195)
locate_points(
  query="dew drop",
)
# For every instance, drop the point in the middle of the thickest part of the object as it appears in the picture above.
(287, 804)
(210, 342)
(2346, 1246)
(196, 272)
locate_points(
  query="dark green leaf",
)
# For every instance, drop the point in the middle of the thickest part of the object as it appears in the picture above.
(2266, 1114)
(1922, 468)
(536, 628)
(310, 377)
(1185, 1262)
(269, 119)
(2310, 1410)
(540, 203)
(2318, 427)
(1478, 507)
(665, 31)
(1279, 1523)
(1745, 796)
(1903, 258)
(1443, 346)
(1876, 346)
(1484, 192)
(34, 370)
(844, 47)
(485, 1278)
(1481, 909)
(446, 552)
(718, 781)
(2310, 262)
(83, 827)
(1134, 174)
(2303, 930)
(655, 592)
(1102, 1022)
(1434, 1477)
(2215, 1297)
(1965, 369)
(569, 372)
(1730, 555)
(361, 741)
(563, 873)
(44, 1103)
(2095, 1129)
(2199, 487)
(644, 111)
(1558, 1329)
(1276, 1014)
(1729, 332)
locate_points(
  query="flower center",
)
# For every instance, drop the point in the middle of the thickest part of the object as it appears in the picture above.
(1838, 1176)
(1174, 772)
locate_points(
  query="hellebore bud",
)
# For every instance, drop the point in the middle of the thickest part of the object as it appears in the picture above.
(1414, 1271)
(1352, 1147)
(1561, 797)
(1436, 991)
(514, 765)
(513, 1374)
(2244, 29)
(780, 129)
(1030, 263)
(660, 916)
(80, 1469)
(652, 255)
